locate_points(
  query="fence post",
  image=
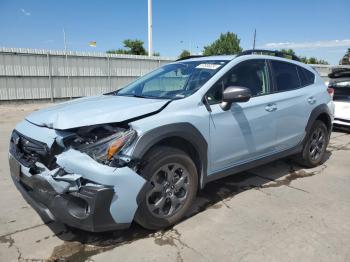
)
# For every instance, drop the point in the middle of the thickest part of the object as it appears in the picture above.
(109, 73)
(68, 77)
(50, 78)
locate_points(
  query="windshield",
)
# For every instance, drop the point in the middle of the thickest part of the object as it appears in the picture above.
(173, 81)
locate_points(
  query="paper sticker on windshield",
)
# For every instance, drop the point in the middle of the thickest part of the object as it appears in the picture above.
(208, 66)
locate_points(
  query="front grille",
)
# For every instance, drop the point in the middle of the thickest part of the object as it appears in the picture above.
(27, 150)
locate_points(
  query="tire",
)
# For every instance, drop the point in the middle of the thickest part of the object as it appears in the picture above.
(171, 188)
(314, 147)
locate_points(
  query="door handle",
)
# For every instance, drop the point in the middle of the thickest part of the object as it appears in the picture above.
(311, 100)
(271, 107)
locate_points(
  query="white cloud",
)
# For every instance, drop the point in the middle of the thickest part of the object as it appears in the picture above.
(316, 44)
(25, 12)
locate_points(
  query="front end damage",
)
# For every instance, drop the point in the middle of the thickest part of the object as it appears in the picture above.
(81, 177)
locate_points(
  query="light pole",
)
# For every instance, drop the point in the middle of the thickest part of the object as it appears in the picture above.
(254, 39)
(150, 28)
(66, 60)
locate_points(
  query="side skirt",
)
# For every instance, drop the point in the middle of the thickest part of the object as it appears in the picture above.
(239, 168)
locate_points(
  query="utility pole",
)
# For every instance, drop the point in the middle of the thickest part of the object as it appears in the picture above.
(254, 39)
(150, 52)
(64, 40)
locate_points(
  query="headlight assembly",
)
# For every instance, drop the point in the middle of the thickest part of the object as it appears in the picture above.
(104, 149)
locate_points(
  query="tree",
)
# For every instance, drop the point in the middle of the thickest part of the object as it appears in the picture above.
(131, 47)
(346, 58)
(154, 54)
(288, 51)
(314, 60)
(184, 53)
(304, 59)
(226, 44)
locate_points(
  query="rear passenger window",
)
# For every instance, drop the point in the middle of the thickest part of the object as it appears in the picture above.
(306, 77)
(286, 76)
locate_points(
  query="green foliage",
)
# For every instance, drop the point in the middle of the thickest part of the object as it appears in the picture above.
(184, 53)
(313, 60)
(304, 59)
(288, 51)
(226, 44)
(131, 47)
(154, 54)
(346, 58)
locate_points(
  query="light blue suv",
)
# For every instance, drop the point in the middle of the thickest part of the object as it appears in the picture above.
(142, 152)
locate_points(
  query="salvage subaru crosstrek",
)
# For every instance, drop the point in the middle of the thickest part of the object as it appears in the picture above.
(142, 152)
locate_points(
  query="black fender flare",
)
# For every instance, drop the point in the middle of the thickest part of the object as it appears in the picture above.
(315, 113)
(183, 130)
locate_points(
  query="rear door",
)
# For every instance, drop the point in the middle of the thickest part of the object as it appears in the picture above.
(294, 100)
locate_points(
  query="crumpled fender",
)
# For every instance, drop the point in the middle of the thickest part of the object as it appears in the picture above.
(126, 182)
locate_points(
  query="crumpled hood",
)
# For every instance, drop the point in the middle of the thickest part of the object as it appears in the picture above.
(94, 110)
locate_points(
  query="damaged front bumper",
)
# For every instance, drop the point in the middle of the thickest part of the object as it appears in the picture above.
(79, 192)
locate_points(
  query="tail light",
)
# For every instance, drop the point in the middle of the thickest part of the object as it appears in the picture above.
(330, 92)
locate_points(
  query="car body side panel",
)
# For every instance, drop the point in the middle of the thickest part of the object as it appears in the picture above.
(127, 184)
(183, 112)
(291, 117)
(342, 111)
(246, 131)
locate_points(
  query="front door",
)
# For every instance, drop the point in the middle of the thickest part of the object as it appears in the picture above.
(246, 131)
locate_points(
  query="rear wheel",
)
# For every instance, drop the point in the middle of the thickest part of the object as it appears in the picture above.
(315, 145)
(172, 186)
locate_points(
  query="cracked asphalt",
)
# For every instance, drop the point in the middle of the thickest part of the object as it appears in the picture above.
(276, 212)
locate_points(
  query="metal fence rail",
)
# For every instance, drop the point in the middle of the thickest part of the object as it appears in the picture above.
(47, 74)
(27, 74)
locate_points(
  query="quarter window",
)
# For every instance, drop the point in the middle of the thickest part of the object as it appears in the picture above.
(306, 77)
(286, 76)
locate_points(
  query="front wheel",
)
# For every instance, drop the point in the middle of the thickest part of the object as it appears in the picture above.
(172, 186)
(315, 145)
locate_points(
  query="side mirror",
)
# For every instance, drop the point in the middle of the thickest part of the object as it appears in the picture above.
(234, 94)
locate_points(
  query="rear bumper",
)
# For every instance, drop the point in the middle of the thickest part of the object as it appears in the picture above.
(341, 122)
(342, 113)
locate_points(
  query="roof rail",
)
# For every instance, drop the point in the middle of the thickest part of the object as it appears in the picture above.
(269, 52)
(189, 57)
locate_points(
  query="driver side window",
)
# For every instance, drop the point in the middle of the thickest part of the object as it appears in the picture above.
(252, 74)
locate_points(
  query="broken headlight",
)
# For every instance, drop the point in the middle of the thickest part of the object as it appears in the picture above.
(104, 149)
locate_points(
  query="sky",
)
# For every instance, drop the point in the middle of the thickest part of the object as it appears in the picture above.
(311, 27)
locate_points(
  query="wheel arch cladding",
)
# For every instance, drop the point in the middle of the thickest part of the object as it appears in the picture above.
(183, 136)
(321, 112)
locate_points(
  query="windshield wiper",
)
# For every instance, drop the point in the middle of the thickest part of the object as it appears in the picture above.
(139, 96)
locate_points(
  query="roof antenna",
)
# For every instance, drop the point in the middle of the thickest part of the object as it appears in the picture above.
(254, 39)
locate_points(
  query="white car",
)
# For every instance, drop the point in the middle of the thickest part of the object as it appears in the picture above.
(340, 83)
